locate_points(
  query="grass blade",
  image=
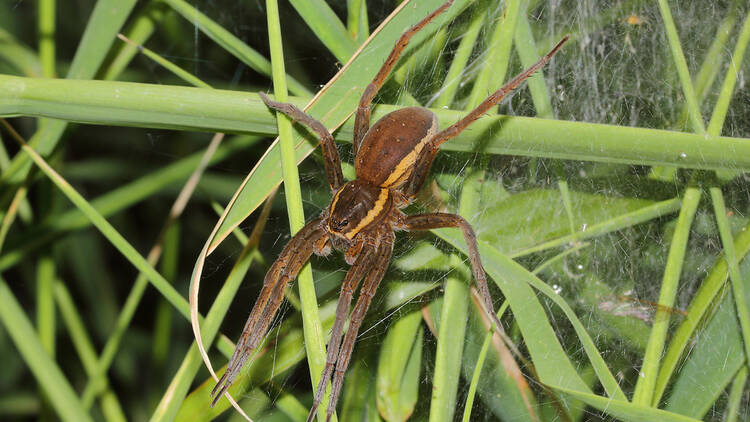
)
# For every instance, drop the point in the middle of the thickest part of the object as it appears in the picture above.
(230, 43)
(170, 107)
(645, 387)
(58, 390)
(327, 27)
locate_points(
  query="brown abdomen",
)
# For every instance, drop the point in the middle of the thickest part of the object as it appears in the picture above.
(390, 148)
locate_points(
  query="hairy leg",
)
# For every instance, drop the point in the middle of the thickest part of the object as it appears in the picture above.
(439, 220)
(328, 146)
(362, 118)
(363, 264)
(370, 285)
(458, 127)
(292, 258)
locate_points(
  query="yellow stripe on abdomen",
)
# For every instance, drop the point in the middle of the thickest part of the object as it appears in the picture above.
(405, 166)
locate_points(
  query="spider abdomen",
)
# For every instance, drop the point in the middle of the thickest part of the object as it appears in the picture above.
(393, 145)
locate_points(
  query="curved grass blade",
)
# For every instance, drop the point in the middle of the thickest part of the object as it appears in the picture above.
(701, 305)
(552, 364)
(624, 410)
(711, 365)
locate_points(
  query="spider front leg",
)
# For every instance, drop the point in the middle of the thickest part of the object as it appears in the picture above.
(362, 118)
(380, 262)
(327, 145)
(458, 127)
(361, 266)
(284, 269)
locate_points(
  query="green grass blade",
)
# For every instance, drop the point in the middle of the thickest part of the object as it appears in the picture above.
(318, 15)
(291, 407)
(111, 407)
(641, 215)
(526, 49)
(645, 387)
(452, 326)
(458, 65)
(453, 319)
(45, 312)
(230, 43)
(709, 70)
(701, 305)
(169, 266)
(711, 364)
(172, 107)
(140, 30)
(399, 363)
(45, 304)
(498, 61)
(47, 37)
(691, 100)
(478, 368)
(727, 88)
(59, 392)
(18, 56)
(103, 24)
(735, 395)
(738, 286)
(626, 411)
(357, 20)
(176, 70)
(312, 327)
(116, 200)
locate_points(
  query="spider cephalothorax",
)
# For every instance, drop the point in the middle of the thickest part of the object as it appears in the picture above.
(391, 160)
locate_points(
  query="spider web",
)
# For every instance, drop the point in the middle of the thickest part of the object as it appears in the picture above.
(619, 71)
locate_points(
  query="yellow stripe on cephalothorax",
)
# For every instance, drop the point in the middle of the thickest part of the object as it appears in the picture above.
(406, 165)
(377, 208)
(333, 205)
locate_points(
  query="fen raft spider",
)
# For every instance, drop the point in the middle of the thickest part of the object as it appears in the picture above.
(392, 160)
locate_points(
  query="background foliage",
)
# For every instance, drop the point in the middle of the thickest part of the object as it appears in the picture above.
(613, 222)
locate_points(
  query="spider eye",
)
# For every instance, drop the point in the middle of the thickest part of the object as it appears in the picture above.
(344, 222)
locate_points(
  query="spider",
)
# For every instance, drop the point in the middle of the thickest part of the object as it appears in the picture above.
(392, 160)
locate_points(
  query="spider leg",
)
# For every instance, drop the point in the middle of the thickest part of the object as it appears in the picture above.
(458, 127)
(439, 220)
(362, 118)
(355, 274)
(292, 258)
(370, 285)
(330, 153)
